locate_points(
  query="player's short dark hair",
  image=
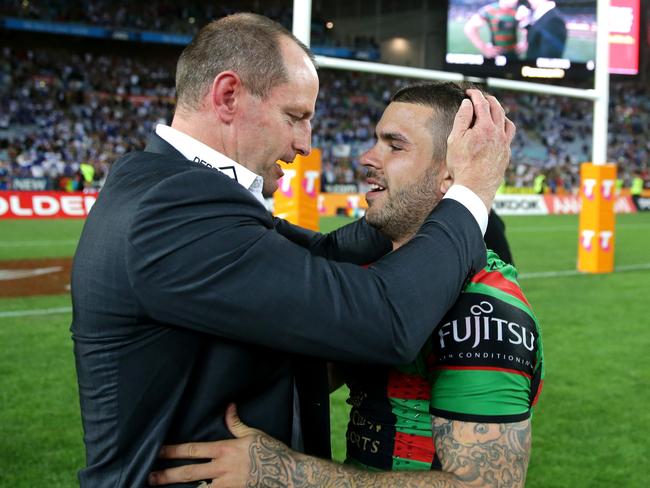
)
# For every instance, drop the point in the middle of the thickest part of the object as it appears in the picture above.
(246, 43)
(445, 98)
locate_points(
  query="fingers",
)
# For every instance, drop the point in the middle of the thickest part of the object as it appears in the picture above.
(496, 112)
(463, 119)
(235, 425)
(481, 105)
(183, 474)
(192, 450)
(510, 130)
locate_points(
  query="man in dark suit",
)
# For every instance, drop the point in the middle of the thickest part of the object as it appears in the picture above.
(547, 32)
(188, 294)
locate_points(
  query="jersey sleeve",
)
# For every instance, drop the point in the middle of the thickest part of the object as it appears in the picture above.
(485, 13)
(485, 359)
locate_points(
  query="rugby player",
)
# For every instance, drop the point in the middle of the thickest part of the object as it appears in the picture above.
(460, 414)
(502, 18)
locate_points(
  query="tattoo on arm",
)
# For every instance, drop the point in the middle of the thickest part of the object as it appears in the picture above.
(472, 455)
(274, 465)
(483, 454)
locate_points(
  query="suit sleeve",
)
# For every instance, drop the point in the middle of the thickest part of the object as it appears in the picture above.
(357, 242)
(204, 255)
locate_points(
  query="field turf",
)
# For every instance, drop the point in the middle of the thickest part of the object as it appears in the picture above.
(591, 426)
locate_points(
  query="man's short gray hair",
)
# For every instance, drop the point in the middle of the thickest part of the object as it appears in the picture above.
(246, 43)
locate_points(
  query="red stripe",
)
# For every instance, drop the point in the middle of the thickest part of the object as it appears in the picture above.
(496, 280)
(539, 390)
(486, 368)
(496, 10)
(408, 386)
(415, 447)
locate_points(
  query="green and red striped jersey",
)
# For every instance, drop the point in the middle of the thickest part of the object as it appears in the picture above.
(482, 363)
(503, 26)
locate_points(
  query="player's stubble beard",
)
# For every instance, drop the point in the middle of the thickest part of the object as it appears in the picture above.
(405, 209)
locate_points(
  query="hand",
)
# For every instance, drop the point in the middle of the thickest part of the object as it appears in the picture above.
(522, 47)
(478, 154)
(230, 459)
(490, 50)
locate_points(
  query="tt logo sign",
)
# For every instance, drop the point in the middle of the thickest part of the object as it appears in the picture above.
(606, 188)
(285, 183)
(604, 239)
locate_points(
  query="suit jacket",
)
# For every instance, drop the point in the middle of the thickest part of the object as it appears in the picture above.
(547, 37)
(188, 294)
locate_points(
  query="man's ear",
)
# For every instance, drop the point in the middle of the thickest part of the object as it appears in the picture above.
(224, 93)
(446, 181)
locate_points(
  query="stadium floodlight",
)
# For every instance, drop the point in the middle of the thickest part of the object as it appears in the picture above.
(597, 212)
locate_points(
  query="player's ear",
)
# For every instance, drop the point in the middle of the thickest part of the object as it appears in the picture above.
(224, 93)
(446, 181)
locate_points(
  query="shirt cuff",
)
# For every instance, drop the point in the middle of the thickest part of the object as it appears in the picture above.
(471, 202)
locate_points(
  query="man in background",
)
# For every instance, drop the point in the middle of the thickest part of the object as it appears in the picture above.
(547, 33)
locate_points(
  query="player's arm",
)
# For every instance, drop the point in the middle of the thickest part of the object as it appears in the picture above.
(472, 31)
(483, 454)
(357, 242)
(472, 455)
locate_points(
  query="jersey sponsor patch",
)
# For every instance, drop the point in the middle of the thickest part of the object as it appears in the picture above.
(482, 332)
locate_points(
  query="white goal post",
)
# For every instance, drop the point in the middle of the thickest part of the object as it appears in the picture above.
(599, 94)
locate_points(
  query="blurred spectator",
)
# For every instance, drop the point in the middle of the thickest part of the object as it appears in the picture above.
(59, 110)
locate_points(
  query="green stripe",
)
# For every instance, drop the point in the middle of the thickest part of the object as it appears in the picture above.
(510, 273)
(402, 464)
(501, 295)
(480, 392)
(412, 416)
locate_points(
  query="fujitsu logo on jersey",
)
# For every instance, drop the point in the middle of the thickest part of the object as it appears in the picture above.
(480, 326)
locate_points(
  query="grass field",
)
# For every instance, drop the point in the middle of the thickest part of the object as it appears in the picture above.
(591, 427)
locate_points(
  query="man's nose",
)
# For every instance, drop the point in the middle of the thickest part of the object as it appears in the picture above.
(368, 158)
(302, 140)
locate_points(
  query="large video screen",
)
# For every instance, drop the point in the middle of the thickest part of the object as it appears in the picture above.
(624, 37)
(522, 38)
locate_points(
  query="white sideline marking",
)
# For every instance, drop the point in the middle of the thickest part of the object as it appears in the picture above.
(29, 313)
(566, 228)
(17, 274)
(573, 272)
(38, 243)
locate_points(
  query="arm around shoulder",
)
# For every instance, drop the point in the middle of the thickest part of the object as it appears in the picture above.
(207, 257)
(357, 242)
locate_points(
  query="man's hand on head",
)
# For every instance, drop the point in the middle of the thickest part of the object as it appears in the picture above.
(478, 147)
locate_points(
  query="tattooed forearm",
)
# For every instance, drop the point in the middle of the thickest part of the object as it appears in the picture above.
(472, 455)
(274, 465)
(479, 454)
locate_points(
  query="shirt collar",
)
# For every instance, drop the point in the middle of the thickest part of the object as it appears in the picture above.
(201, 153)
(545, 7)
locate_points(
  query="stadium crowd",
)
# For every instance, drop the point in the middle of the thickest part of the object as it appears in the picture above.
(61, 109)
(168, 16)
(157, 15)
